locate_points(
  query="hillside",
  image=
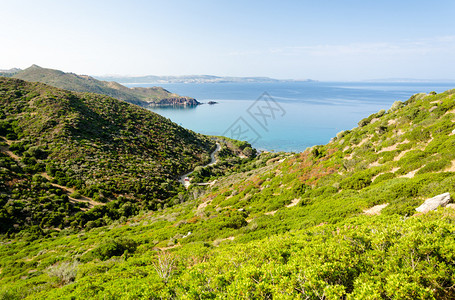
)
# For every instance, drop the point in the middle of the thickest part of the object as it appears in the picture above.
(67, 152)
(279, 225)
(83, 83)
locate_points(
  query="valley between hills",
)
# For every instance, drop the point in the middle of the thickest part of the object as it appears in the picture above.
(92, 208)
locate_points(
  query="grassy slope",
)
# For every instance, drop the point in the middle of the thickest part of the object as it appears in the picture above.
(79, 83)
(106, 149)
(287, 226)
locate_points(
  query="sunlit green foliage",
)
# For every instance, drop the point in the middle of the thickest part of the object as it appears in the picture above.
(105, 149)
(278, 225)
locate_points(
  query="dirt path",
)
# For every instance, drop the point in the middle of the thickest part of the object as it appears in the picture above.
(91, 203)
(294, 202)
(375, 210)
(218, 241)
(9, 152)
(184, 178)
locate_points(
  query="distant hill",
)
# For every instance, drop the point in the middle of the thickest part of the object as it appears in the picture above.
(10, 72)
(152, 79)
(83, 83)
(96, 147)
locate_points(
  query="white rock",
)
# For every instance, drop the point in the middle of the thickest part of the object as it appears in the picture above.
(434, 203)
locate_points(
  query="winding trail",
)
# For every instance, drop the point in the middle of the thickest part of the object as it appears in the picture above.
(186, 183)
(91, 203)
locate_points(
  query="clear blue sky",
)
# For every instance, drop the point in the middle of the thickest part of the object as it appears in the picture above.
(323, 40)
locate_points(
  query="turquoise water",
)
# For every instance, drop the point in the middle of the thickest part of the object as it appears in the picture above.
(298, 114)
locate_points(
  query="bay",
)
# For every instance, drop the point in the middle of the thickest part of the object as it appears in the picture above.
(290, 116)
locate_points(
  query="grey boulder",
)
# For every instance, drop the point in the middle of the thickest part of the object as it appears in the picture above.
(434, 203)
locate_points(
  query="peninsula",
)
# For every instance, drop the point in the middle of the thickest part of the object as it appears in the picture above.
(145, 97)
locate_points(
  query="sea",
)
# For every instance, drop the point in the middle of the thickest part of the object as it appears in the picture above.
(286, 116)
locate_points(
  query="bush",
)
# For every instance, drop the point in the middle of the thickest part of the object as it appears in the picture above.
(382, 177)
(411, 161)
(75, 195)
(435, 166)
(341, 134)
(114, 247)
(387, 156)
(65, 272)
(402, 206)
(11, 294)
(396, 105)
(364, 122)
(356, 182)
(11, 136)
(419, 134)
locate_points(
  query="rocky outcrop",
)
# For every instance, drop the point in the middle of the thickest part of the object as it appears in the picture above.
(434, 203)
(176, 101)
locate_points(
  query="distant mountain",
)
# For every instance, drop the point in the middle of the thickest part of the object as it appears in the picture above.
(188, 79)
(83, 83)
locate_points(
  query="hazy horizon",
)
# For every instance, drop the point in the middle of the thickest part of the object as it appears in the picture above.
(284, 79)
(327, 41)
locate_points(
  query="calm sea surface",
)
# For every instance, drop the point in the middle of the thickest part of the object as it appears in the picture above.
(292, 115)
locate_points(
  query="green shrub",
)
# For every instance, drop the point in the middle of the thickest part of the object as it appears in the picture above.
(435, 166)
(387, 156)
(411, 161)
(419, 134)
(11, 294)
(75, 195)
(385, 176)
(114, 247)
(11, 136)
(356, 182)
(396, 105)
(65, 272)
(404, 206)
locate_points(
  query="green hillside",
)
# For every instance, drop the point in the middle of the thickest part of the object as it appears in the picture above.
(84, 83)
(64, 152)
(276, 226)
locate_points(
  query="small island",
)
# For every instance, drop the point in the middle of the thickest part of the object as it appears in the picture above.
(212, 102)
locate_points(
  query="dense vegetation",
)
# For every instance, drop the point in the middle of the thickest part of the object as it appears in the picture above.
(275, 225)
(233, 157)
(83, 83)
(90, 147)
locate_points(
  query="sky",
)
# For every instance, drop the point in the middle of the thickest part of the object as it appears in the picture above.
(321, 40)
